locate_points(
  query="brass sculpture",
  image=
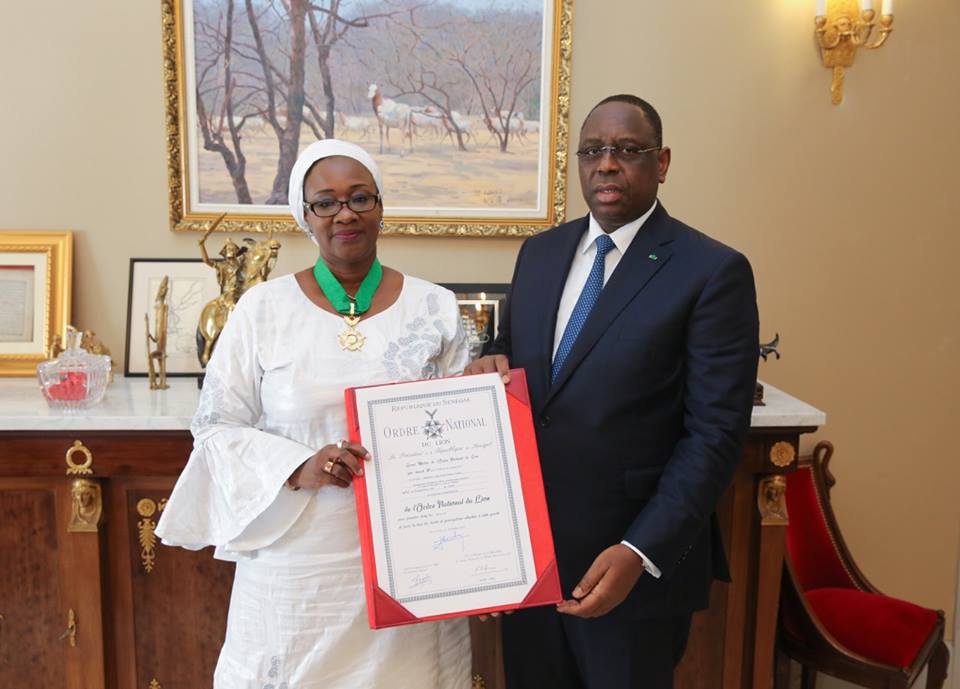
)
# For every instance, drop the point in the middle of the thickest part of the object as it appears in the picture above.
(258, 261)
(214, 315)
(157, 358)
(238, 269)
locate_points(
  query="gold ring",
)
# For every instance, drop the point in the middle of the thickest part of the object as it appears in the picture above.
(328, 467)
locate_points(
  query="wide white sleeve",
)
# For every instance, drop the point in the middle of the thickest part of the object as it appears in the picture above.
(455, 351)
(231, 492)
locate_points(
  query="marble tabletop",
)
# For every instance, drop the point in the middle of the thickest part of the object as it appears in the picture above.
(130, 405)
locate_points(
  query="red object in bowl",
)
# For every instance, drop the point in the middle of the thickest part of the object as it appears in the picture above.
(72, 387)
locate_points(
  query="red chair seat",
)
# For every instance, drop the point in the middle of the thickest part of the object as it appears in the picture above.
(883, 629)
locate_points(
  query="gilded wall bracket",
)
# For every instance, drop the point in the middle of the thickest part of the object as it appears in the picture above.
(844, 26)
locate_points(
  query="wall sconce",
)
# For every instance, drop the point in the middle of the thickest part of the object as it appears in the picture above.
(842, 26)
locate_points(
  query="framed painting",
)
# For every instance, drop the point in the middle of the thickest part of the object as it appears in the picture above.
(192, 285)
(480, 307)
(463, 103)
(36, 273)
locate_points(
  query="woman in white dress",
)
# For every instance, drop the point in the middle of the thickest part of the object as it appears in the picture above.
(268, 482)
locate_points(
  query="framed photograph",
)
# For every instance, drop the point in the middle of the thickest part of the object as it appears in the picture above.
(463, 103)
(192, 285)
(35, 294)
(480, 306)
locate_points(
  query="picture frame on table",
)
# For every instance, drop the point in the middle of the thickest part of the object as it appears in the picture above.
(192, 285)
(463, 104)
(481, 304)
(36, 282)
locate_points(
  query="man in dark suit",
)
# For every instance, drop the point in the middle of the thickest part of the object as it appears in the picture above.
(639, 337)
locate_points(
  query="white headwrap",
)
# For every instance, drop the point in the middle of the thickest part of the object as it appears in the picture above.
(318, 151)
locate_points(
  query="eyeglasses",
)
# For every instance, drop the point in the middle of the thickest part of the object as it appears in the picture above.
(622, 153)
(359, 203)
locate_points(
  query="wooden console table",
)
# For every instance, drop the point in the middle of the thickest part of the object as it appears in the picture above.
(88, 599)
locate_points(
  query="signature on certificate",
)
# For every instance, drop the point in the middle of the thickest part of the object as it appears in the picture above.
(420, 580)
(454, 536)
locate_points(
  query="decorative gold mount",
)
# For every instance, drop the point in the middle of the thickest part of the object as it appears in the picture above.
(74, 469)
(843, 30)
(71, 631)
(154, 684)
(86, 507)
(782, 454)
(146, 529)
(771, 500)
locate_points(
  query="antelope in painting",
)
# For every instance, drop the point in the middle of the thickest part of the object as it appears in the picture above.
(391, 113)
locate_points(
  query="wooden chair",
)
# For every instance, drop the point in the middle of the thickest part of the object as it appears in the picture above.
(832, 619)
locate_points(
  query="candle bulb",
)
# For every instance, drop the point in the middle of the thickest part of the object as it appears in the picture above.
(821, 8)
(866, 5)
(887, 7)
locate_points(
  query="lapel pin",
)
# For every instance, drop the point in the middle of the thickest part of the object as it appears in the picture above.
(652, 257)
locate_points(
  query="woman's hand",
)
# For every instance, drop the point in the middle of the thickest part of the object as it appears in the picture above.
(331, 465)
(496, 363)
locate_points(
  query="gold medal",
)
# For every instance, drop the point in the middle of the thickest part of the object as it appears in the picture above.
(351, 339)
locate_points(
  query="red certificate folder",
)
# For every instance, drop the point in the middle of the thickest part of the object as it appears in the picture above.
(382, 609)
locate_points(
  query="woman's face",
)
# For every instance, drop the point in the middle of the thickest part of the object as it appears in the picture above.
(347, 237)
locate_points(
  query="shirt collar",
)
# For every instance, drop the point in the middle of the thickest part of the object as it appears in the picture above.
(622, 236)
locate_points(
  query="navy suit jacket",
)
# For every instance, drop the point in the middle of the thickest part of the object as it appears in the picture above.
(643, 428)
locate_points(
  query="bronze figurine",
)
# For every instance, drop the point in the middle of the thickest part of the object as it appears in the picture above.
(239, 269)
(157, 358)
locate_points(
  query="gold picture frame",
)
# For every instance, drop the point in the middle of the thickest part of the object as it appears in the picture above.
(36, 278)
(197, 195)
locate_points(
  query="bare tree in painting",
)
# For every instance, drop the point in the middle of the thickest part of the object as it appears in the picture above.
(427, 54)
(274, 50)
(220, 120)
(287, 130)
(417, 64)
(500, 64)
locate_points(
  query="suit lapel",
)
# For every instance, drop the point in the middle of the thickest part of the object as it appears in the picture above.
(648, 253)
(552, 282)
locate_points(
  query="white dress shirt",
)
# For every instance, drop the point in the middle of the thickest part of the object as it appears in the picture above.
(577, 278)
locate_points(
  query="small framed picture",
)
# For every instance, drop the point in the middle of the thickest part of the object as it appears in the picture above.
(35, 292)
(480, 306)
(192, 286)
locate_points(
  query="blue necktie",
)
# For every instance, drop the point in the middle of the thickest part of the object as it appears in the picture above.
(588, 297)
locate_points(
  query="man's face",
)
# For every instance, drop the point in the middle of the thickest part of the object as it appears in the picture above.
(617, 190)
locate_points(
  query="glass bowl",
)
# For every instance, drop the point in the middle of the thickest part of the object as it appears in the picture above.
(75, 380)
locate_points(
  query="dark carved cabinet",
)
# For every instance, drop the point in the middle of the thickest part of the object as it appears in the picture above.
(87, 596)
(89, 599)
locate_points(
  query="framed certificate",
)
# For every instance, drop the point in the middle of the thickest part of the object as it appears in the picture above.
(453, 517)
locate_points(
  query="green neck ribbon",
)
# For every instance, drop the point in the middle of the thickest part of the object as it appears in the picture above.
(338, 296)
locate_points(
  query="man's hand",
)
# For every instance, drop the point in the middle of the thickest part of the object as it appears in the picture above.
(496, 363)
(608, 581)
